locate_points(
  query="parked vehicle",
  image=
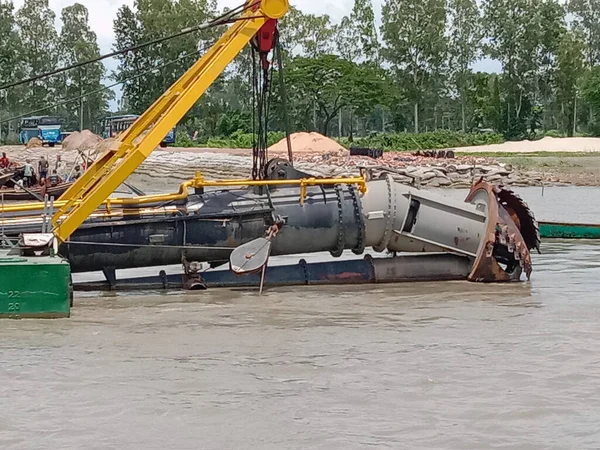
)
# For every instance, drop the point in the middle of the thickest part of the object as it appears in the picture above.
(46, 128)
(111, 126)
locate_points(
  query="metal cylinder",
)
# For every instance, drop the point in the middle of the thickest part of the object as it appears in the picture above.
(400, 218)
(368, 270)
(422, 267)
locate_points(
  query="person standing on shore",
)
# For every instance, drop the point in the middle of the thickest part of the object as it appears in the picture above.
(59, 166)
(28, 173)
(4, 162)
(43, 168)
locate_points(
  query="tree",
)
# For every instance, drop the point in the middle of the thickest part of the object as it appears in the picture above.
(356, 35)
(551, 23)
(413, 31)
(356, 41)
(590, 92)
(570, 68)
(513, 29)
(78, 43)
(587, 19)
(464, 46)
(10, 63)
(332, 83)
(150, 20)
(39, 50)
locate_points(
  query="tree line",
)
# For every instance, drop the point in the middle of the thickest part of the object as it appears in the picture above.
(413, 72)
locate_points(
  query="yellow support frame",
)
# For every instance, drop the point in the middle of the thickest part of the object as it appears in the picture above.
(132, 148)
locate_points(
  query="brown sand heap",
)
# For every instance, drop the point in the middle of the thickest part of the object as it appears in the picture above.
(310, 143)
(34, 142)
(81, 141)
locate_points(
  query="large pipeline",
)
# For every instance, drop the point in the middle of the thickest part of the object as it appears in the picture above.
(368, 270)
(493, 229)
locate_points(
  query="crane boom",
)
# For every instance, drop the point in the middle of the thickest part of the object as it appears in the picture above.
(132, 148)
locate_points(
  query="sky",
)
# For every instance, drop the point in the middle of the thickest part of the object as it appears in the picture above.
(103, 12)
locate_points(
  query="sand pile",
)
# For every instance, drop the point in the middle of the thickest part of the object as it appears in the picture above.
(313, 143)
(34, 142)
(81, 141)
(547, 144)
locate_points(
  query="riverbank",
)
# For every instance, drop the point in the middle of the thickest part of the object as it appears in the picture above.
(165, 169)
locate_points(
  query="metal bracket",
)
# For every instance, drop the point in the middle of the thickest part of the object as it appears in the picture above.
(340, 238)
(192, 280)
(111, 276)
(360, 222)
(391, 214)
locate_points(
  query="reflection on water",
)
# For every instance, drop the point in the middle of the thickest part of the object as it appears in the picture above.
(427, 365)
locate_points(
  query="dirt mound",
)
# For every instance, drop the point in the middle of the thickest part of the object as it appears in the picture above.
(81, 141)
(101, 147)
(310, 143)
(34, 142)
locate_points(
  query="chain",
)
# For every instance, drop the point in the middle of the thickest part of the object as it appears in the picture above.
(391, 214)
(360, 223)
(340, 238)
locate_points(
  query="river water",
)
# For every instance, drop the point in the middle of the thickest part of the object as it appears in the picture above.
(450, 365)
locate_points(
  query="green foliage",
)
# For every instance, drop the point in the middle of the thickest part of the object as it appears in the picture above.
(464, 46)
(152, 19)
(233, 121)
(554, 134)
(424, 141)
(78, 43)
(39, 50)
(184, 140)
(416, 45)
(356, 35)
(587, 21)
(340, 79)
(590, 91)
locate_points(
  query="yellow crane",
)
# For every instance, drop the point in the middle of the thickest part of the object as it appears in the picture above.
(135, 145)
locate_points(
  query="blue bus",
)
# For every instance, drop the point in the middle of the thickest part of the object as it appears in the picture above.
(114, 125)
(47, 128)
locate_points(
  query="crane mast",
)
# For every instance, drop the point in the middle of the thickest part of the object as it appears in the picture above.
(131, 149)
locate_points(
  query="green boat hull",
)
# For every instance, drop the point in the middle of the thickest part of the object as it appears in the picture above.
(34, 287)
(556, 230)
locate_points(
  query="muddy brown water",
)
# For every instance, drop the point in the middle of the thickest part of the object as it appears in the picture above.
(411, 366)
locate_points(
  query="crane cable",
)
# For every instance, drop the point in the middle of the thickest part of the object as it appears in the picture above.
(261, 82)
(283, 94)
(261, 104)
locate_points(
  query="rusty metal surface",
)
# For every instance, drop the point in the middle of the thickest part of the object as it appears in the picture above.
(504, 253)
(522, 215)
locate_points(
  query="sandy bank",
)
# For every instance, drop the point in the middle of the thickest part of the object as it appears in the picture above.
(547, 144)
(164, 170)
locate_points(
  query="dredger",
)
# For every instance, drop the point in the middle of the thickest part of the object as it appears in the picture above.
(280, 211)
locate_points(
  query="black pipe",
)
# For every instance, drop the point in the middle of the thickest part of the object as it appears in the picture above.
(405, 268)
